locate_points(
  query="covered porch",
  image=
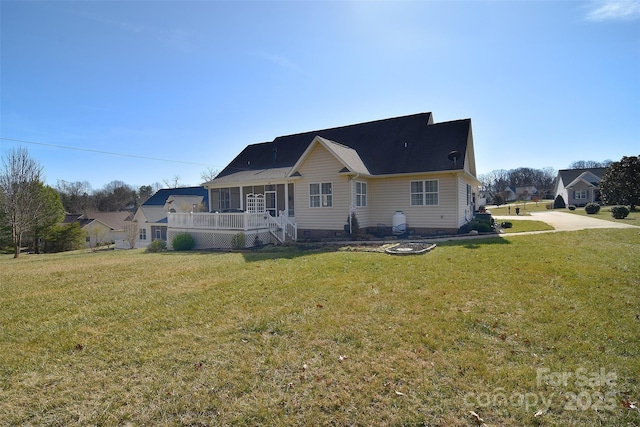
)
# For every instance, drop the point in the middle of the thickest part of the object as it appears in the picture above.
(278, 198)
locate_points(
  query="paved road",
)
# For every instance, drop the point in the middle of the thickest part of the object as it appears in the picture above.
(563, 221)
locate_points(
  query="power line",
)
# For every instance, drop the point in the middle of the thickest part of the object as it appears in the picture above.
(104, 152)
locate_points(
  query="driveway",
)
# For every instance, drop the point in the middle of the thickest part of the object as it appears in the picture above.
(563, 221)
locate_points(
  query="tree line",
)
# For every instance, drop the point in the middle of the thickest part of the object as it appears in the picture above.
(31, 212)
(79, 197)
(497, 181)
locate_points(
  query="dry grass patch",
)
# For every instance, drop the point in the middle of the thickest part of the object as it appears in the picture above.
(323, 337)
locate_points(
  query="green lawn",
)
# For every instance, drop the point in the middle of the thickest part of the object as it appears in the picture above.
(525, 208)
(506, 327)
(526, 225)
(605, 213)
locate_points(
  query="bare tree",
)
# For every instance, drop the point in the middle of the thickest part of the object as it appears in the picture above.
(589, 164)
(173, 182)
(75, 195)
(20, 180)
(95, 236)
(495, 181)
(209, 174)
(131, 233)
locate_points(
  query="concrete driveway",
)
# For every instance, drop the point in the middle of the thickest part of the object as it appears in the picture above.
(563, 221)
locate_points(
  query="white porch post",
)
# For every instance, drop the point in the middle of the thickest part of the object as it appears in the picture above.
(286, 199)
(241, 199)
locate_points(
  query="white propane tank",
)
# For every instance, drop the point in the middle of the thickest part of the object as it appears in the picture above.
(399, 223)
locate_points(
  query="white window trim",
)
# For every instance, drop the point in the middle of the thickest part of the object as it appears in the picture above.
(581, 192)
(322, 199)
(365, 194)
(424, 192)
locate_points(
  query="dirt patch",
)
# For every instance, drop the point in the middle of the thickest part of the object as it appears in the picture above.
(395, 248)
(410, 248)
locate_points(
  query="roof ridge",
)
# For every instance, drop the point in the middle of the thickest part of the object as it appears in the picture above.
(354, 125)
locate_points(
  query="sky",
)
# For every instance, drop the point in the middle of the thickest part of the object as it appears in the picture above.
(149, 91)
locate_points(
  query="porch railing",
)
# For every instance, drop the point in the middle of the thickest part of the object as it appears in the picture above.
(290, 228)
(219, 221)
(280, 226)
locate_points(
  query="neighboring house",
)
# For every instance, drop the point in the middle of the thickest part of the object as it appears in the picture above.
(526, 192)
(484, 197)
(579, 186)
(100, 227)
(151, 216)
(509, 194)
(306, 186)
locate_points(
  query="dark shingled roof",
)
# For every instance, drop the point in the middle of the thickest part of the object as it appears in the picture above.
(568, 175)
(161, 196)
(380, 144)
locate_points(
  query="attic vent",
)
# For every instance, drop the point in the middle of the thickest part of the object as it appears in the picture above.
(275, 155)
(405, 145)
(454, 156)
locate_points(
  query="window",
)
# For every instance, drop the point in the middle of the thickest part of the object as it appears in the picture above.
(468, 195)
(424, 192)
(320, 195)
(225, 199)
(143, 234)
(580, 194)
(361, 194)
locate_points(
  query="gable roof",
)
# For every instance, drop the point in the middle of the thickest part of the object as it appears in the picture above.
(345, 155)
(152, 214)
(182, 202)
(407, 144)
(71, 218)
(567, 176)
(161, 196)
(113, 220)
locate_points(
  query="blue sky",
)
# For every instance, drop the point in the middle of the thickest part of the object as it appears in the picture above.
(544, 82)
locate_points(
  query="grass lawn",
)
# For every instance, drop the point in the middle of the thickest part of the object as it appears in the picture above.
(525, 208)
(540, 330)
(527, 225)
(605, 213)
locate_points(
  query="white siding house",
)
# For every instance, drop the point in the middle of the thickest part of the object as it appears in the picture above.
(311, 183)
